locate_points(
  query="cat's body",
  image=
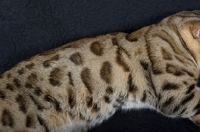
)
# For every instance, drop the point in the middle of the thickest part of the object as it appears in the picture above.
(80, 84)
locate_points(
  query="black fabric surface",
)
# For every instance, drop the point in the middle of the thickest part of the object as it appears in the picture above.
(28, 27)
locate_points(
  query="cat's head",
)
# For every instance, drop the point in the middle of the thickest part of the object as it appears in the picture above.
(188, 25)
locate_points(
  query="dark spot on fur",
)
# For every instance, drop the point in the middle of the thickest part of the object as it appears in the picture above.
(132, 87)
(170, 86)
(55, 77)
(28, 85)
(76, 59)
(95, 108)
(185, 82)
(198, 82)
(2, 94)
(17, 82)
(53, 101)
(107, 99)
(156, 71)
(54, 82)
(197, 106)
(87, 80)
(55, 57)
(30, 66)
(120, 60)
(71, 82)
(30, 121)
(71, 98)
(109, 90)
(81, 117)
(131, 38)
(10, 87)
(47, 63)
(159, 97)
(190, 88)
(144, 97)
(168, 102)
(32, 77)
(114, 41)
(106, 72)
(176, 108)
(31, 80)
(20, 71)
(38, 91)
(89, 101)
(7, 119)
(121, 99)
(97, 48)
(23, 104)
(144, 65)
(43, 123)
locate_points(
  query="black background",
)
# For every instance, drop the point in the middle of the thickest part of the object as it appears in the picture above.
(28, 27)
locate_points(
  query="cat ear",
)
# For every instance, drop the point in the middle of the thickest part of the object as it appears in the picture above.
(196, 30)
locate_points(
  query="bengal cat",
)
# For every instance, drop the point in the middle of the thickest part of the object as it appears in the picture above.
(78, 85)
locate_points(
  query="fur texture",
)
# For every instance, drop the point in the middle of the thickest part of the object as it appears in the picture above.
(78, 85)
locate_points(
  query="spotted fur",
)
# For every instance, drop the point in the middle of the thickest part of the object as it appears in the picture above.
(74, 87)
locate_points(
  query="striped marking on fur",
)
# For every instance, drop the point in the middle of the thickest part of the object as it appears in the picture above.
(43, 123)
(170, 86)
(121, 61)
(87, 80)
(106, 72)
(71, 82)
(131, 86)
(71, 98)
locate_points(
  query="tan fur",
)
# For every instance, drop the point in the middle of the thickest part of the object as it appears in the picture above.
(80, 84)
